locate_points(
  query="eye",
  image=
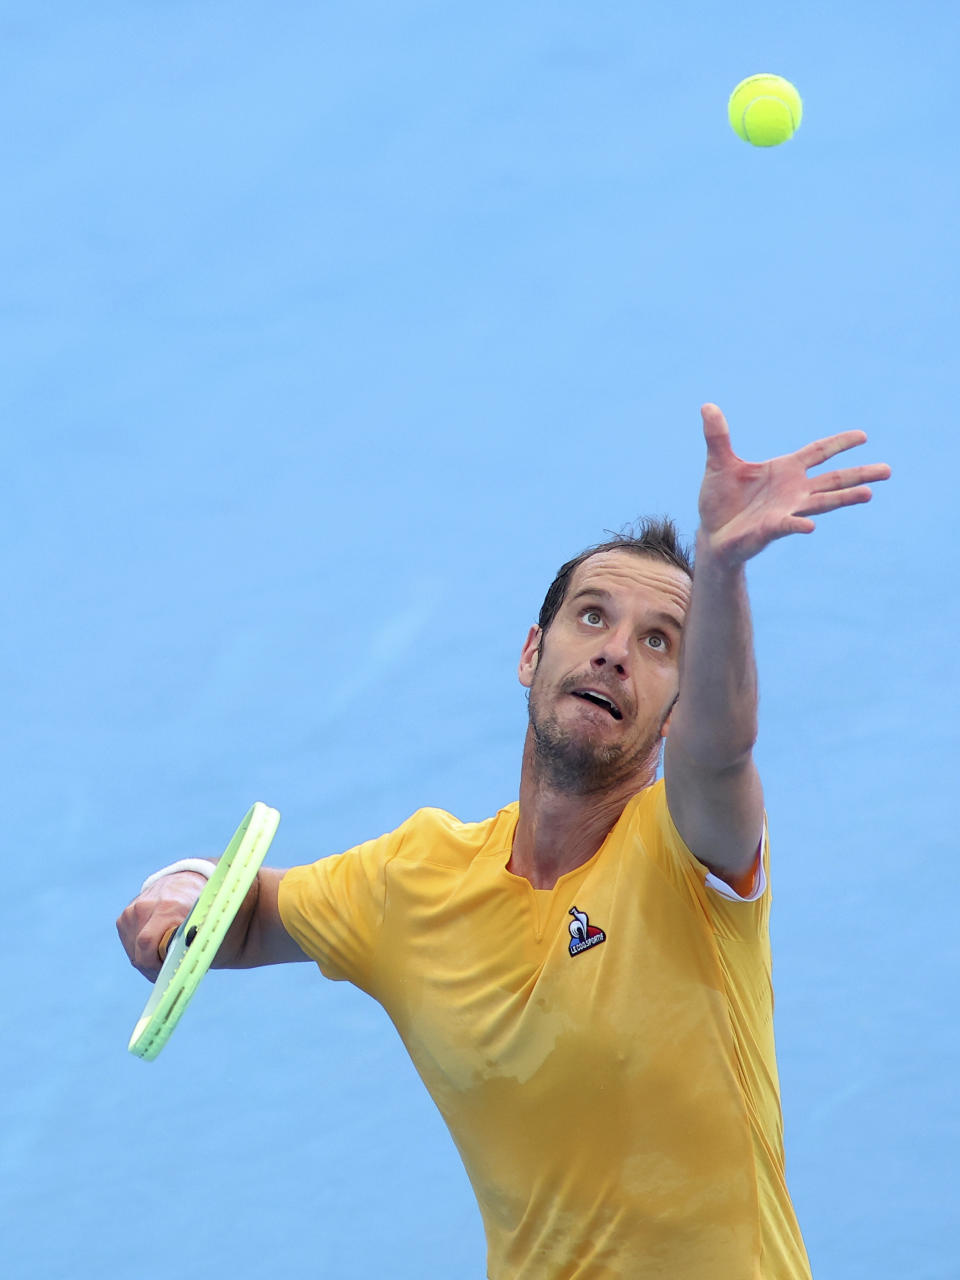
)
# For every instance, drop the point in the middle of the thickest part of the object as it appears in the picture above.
(657, 642)
(592, 617)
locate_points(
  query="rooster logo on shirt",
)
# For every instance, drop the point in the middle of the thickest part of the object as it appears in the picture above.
(583, 934)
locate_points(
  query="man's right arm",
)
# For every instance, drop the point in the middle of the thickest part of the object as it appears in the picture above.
(256, 937)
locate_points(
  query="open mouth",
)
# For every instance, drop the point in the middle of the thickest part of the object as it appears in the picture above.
(599, 700)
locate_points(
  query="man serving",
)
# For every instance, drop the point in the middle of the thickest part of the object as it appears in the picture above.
(583, 980)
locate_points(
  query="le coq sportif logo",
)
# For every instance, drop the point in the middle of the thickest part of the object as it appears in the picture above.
(583, 934)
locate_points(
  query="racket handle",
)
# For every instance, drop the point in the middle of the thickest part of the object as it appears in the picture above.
(164, 943)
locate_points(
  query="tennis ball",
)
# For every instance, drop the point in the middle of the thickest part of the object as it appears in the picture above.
(765, 110)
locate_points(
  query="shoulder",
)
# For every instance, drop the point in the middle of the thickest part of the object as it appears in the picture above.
(647, 818)
(648, 824)
(438, 837)
(429, 835)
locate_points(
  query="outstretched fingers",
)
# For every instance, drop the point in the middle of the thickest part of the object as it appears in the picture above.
(811, 455)
(796, 524)
(849, 478)
(846, 487)
(818, 503)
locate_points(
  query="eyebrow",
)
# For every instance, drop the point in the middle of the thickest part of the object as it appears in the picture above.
(599, 593)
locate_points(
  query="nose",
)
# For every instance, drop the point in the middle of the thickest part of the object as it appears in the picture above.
(614, 652)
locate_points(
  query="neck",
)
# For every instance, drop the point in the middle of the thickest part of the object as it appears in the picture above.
(559, 830)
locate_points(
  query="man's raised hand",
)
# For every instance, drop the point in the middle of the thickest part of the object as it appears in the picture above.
(744, 506)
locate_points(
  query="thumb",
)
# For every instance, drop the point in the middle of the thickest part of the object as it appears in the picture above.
(717, 434)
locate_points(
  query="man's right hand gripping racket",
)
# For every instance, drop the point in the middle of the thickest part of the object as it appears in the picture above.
(191, 948)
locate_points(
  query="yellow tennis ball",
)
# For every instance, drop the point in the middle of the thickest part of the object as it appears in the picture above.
(765, 110)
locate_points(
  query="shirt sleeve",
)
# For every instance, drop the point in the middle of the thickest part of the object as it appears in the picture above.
(334, 907)
(730, 915)
(759, 878)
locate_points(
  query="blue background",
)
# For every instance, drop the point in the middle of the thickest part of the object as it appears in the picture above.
(327, 333)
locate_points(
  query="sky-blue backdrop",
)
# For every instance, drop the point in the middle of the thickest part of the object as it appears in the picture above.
(327, 332)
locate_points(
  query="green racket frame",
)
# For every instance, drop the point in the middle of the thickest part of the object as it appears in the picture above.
(196, 942)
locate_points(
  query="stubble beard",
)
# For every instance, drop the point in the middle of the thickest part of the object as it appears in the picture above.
(579, 766)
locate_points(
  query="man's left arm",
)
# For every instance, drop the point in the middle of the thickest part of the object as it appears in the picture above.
(713, 788)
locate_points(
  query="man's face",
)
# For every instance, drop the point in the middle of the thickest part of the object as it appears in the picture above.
(605, 676)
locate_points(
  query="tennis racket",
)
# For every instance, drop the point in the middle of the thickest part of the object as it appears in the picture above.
(188, 951)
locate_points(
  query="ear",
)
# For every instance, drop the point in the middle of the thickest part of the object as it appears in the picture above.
(665, 727)
(529, 657)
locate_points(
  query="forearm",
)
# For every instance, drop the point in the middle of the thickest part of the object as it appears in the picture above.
(257, 935)
(715, 721)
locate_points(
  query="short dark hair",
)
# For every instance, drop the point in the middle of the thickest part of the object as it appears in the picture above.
(653, 536)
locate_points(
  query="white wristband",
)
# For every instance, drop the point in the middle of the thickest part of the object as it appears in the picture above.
(202, 865)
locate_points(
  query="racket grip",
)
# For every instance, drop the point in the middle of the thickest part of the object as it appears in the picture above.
(164, 943)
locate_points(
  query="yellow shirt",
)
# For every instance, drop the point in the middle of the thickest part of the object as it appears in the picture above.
(602, 1051)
